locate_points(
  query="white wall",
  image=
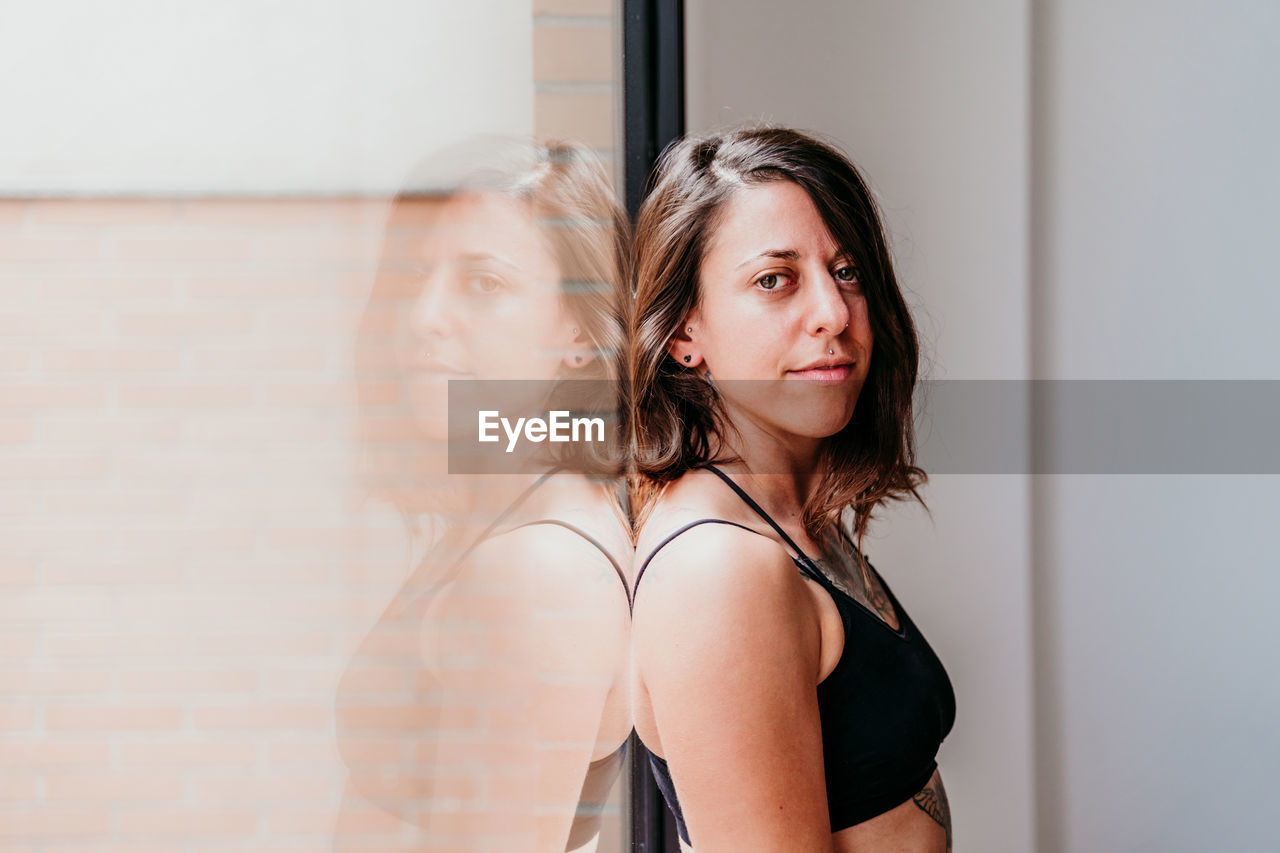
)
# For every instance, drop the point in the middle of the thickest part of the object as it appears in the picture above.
(932, 103)
(250, 97)
(1157, 204)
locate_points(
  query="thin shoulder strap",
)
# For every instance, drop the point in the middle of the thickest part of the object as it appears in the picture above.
(807, 564)
(587, 536)
(496, 523)
(688, 526)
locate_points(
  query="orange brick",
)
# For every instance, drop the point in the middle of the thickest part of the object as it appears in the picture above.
(52, 396)
(16, 718)
(228, 249)
(13, 211)
(109, 359)
(188, 680)
(282, 213)
(258, 287)
(110, 288)
(73, 325)
(225, 752)
(311, 249)
(78, 788)
(314, 788)
(14, 360)
(14, 430)
(113, 503)
(586, 117)
(15, 788)
(96, 570)
(87, 681)
(110, 430)
(225, 540)
(46, 466)
(309, 358)
(292, 753)
(138, 718)
(573, 54)
(184, 325)
(44, 604)
(50, 823)
(47, 754)
(185, 396)
(293, 645)
(102, 212)
(112, 647)
(20, 574)
(50, 250)
(291, 717)
(188, 823)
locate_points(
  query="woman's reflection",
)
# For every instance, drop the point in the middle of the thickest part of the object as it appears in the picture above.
(486, 708)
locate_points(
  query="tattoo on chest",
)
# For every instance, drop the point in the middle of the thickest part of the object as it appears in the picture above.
(932, 800)
(846, 572)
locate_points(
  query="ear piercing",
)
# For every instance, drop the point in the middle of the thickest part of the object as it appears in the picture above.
(688, 358)
(577, 359)
(831, 352)
(689, 330)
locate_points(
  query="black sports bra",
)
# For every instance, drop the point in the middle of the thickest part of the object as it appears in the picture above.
(884, 709)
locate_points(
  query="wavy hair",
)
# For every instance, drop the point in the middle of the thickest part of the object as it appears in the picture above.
(580, 221)
(677, 418)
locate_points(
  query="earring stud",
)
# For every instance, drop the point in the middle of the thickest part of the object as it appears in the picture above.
(688, 358)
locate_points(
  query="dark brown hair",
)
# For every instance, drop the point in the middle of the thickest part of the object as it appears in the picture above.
(676, 417)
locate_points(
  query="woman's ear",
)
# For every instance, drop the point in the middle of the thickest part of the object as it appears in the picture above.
(581, 350)
(683, 348)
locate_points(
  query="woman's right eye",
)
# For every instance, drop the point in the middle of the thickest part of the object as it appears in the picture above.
(770, 281)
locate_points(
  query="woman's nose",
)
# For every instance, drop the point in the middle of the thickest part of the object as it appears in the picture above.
(431, 314)
(828, 312)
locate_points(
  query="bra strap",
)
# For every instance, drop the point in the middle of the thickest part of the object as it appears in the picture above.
(616, 568)
(807, 564)
(688, 526)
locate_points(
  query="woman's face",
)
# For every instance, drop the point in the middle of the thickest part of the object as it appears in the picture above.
(780, 304)
(487, 304)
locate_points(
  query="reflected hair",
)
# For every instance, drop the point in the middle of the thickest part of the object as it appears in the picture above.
(677, 418)
(577, 214)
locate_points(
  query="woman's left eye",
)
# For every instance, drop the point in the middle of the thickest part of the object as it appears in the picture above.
(846, 273)
(484, 283)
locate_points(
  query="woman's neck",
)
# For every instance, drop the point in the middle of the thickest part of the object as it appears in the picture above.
(779, 472)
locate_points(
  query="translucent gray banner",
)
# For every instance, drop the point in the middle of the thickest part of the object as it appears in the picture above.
(962, 426)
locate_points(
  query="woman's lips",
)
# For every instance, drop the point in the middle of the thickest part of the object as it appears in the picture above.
(823, 375)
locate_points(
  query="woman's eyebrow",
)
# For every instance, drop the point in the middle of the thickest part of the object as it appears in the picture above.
(782, 254)
(473, 257)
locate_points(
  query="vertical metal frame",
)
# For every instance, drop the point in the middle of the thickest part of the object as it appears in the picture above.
(653, 116)
(652, 87)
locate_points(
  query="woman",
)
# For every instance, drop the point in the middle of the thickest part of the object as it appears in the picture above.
(786, 699)
(487, 707)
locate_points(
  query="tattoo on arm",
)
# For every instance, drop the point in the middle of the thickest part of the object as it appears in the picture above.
(932, 800)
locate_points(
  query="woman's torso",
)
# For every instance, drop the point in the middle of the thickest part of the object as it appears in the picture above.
(884, 700)
(443, 699)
